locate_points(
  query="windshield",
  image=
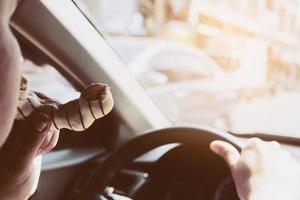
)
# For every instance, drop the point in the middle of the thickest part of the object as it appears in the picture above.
(233, 65)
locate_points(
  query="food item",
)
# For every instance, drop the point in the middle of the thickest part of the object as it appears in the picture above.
(94, 102)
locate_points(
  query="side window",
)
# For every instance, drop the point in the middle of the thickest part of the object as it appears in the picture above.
(42, 76)
(46, 79)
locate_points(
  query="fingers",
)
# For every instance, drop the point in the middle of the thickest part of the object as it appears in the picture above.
(31, 136)
(275, 144)
(45, 99)
(37, 165)
(49, 142)
(261, 146)
(226, 151)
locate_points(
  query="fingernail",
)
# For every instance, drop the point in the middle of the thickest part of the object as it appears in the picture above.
(41, 127)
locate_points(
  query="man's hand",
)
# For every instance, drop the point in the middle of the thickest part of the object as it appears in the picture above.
(20, 148)
(20, 157)
(262, 170)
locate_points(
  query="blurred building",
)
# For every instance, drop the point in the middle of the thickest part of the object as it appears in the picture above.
(253, 47)
(257, 40)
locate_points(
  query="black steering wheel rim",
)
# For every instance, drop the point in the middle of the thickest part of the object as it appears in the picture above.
(140, 145)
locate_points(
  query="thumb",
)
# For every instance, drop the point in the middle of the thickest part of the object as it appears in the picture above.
(31, 136)
(226, 151)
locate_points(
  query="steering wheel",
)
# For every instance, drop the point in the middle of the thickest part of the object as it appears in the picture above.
(199, 137)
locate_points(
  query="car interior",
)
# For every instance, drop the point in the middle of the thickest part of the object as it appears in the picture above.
(135, 152)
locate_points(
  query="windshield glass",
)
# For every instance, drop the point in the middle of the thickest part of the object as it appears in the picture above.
(234, 65)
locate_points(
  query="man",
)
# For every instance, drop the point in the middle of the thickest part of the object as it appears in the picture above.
(262, 170)
(21, 147)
